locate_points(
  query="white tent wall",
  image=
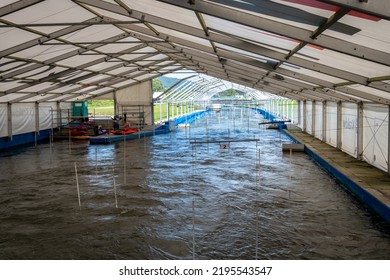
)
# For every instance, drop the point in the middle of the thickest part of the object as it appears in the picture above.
(23, 118)
(375, 135)
(138, 95)
(349, 128)
(331, 123)
(48, 114)
(375, 128)
(318, 120)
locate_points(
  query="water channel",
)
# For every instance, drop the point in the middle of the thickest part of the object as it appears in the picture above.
(172, 197)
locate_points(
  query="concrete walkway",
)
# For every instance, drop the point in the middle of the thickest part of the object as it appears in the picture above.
(368, 183)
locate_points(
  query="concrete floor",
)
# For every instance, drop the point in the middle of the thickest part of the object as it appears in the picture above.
(371, 179)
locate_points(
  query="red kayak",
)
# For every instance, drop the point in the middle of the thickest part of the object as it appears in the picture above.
(124, 131)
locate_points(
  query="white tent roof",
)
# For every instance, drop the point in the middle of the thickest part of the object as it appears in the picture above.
(301, 49)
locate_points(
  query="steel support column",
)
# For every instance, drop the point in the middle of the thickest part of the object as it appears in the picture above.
(304, 116)
(388, 141)
(115, 103)
(313, 118)
(359, 152)
(339, 124)
(324, 122)
(9, 120)
(36, 118)
(299, 112)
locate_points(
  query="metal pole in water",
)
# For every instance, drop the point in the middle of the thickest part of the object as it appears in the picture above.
(124, 160)
(77, 184)
(96, 160)
(70, 138)
(193, 229)
(113, 179)
(289, 175)
(207, 132)
(257, 208)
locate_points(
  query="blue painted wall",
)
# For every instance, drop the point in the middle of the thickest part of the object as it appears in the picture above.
(23, 139)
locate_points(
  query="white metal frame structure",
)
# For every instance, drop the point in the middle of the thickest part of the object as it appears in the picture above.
(314, 51)
(304, 50)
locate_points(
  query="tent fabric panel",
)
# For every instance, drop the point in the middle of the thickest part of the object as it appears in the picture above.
(55, 11)
(10, 37)
(375, 137)
(343, 62)
(349, 129)
(11, 97)
(96, 33)
(309, 117)
(118, 48)
(23, 118)
(40, 73)
(318, 120)
(314, 74)
(158, 9)
(371, 34)
(181, 35)
(251, 34)
(78, 60)
(331, 123)
(45, 116)
(108, 14)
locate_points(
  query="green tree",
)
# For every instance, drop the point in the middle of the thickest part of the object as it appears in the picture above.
(228, 92)
(157, 85)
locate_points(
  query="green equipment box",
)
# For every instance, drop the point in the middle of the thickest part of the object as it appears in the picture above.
(80, 108)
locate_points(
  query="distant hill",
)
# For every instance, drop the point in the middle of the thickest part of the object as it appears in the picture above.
(168, 81)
